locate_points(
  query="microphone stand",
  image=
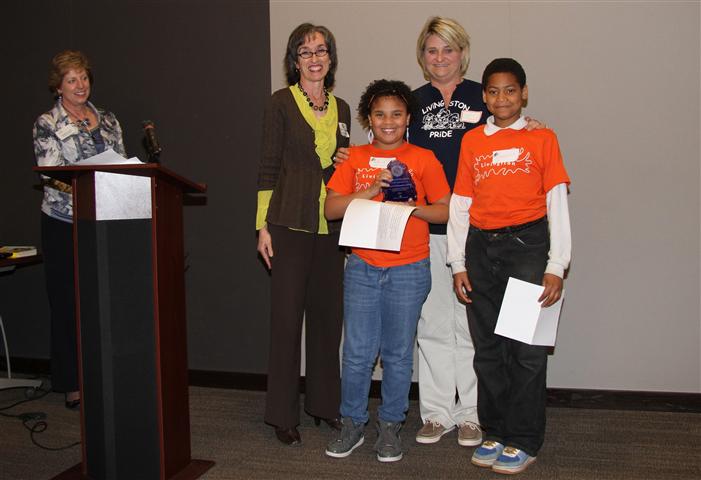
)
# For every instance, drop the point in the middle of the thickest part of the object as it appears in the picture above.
(153, 148)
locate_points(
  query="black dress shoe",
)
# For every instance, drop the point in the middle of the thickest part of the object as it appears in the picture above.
(73, 404)
(334, 423)
(288, 436)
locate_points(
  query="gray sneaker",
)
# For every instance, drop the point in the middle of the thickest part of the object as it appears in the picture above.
(388, 445)
(351, 437)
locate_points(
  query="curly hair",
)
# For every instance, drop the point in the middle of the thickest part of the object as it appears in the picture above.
(380, 89)
(62, 63)
(297, 38)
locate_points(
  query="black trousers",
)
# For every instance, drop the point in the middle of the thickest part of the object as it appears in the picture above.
(307, 284)
(511, 375)
(57, 251)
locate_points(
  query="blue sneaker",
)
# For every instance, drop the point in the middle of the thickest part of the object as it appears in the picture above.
(487, 453)
(512, 460)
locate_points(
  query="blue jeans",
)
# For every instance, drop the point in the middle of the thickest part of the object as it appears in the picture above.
(381, 310)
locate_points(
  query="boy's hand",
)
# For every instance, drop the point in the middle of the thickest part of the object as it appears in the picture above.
(341, 156)
(534, 124)
(553, 290)
(461, 285)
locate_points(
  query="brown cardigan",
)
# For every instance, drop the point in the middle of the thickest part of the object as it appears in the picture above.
(290, 165)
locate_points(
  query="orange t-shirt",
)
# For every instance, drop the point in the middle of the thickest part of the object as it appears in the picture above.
(356, 174)
(508, 175)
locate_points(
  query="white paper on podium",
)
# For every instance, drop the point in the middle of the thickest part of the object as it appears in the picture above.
(376, 225)
(522, 318)
(108, 157)
(119, 196)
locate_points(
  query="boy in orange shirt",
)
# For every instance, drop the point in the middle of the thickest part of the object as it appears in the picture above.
(384, 291)
(508, 218)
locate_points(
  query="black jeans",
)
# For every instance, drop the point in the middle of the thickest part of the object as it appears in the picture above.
(511, 375)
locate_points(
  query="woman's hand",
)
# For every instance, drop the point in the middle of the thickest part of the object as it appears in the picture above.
(534, 124)
(461, 287)
(341, 156)
(553, 290)
(265, 246)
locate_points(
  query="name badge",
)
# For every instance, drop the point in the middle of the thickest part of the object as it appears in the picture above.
(509, 155)
(66, 131)
(470, 116)
(343, 128)
(380, 162)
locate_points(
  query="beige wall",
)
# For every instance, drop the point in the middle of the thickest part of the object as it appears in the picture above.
(619, 82)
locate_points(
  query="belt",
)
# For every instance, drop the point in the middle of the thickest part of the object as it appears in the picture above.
(513, 228)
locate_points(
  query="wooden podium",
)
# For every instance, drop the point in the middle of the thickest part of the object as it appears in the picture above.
(130, 319)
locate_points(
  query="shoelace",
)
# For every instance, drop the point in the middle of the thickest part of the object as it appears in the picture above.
(470, 425)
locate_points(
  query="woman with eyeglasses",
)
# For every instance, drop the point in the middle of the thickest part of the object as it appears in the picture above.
(304, 124)
(73, 130)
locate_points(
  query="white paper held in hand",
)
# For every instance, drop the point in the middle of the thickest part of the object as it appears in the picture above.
(109, 157)
(376, 225)
(522, 318)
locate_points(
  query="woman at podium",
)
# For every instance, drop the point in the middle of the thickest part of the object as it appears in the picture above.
(303, 126)
(73, 130)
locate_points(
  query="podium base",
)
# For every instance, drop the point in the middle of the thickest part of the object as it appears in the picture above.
(195, 469)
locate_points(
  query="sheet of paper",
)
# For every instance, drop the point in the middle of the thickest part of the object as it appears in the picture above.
(122, 197)
(377, 225)
(522, 318)
(119, 196)
(109, 157)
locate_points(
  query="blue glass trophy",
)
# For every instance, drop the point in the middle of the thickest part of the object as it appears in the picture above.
(401, 188)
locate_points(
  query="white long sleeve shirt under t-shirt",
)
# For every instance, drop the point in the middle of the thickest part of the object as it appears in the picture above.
(558, 222)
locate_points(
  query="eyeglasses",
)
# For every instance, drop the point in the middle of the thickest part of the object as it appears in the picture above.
(322, 52)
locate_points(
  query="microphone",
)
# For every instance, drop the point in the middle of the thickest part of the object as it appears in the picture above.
(152, 146)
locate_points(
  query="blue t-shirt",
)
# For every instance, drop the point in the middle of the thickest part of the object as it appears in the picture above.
(440, 130)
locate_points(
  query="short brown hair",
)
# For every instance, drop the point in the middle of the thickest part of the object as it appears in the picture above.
(62, 63)
(452, 33)
(297, 38)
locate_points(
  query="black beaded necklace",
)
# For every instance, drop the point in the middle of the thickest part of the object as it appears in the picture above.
(311, 103)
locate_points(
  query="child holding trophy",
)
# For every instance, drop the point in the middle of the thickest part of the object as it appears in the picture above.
(383, 290)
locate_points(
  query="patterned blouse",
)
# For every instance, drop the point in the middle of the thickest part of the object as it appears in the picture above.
(59, 142)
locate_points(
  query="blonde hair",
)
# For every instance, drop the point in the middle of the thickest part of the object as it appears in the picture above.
(452, 33)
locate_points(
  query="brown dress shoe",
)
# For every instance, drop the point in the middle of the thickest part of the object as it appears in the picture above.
(288, 436)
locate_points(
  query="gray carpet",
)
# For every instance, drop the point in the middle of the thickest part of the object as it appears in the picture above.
(227, 428)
